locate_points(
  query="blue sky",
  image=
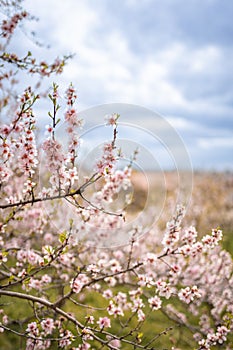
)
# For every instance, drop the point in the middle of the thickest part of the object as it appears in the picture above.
(174, 57)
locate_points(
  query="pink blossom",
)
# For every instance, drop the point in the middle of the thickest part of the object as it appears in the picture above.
(78, 283)
(49, 129)
(212, 240)
(5, 319)
(32, 328)
(114, 309)
(107, 294)
(115, 343)
(35, 284)
(5, 130)
(137, 304)
(190, 235)
(150, 259)
(104, 322)
(145, 280)
(188, 294)
(90, 319)
(3, 258)
(87, 334)
(71, 95)
(164, 289)
(111, 119)
(46, 279)
(141, 316)
(9, 26)
(155, 303)
(48, 325)
(66, 340)
(213, 338)
(5, 173)
(84, 346)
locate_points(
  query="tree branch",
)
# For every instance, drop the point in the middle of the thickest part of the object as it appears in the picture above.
(79, 191)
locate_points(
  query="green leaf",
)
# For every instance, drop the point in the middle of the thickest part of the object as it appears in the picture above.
(27, 280)
(139, 337)
(4, 253)
(46, 261)
(62, 237)
(65, 250)
(11, 278)
(29, 268)
(58, 121)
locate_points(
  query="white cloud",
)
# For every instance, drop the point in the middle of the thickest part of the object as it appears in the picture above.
(108, 68)
(181, 123)
(216, 142)
(205, 58)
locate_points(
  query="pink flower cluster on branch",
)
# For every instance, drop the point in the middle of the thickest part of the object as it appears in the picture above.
(12, 64)
(8, 26)
(174, 265)
(65, 291)
(30, 64)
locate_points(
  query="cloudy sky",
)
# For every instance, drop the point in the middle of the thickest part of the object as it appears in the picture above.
(173, 57)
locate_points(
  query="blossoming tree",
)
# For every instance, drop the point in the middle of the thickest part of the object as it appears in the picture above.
(167, 289)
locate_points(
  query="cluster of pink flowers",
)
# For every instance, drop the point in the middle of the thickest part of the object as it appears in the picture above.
(71, 95)
(48, 326)
(73, 123)
(155, 302)
(111, 119)
(55, 163)
(172, 234)
(115, 343)
(78, 283)
(104, 322)
(5, 173)
(98, 224)
(28, 255)
(66, 340)
(191, 247)
(212, 240)
(8, 26)
(30, 64)
(219, 337)
(106, 163)
(83, 346)
(115, 182)
(164, 289)
(64, 173)
(4, 320)
(35, 283)
(32, 342)
(188, 294)
(45, 329)
(44, 69)
(28, 157)
(18, 147)
(32, 329)
(114, 309)
(49, 254)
